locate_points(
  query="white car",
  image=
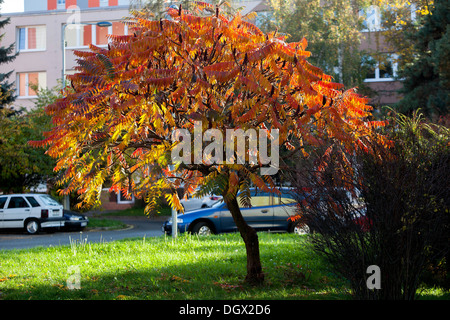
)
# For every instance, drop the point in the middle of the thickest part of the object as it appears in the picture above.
(192, 203)
(30, 211)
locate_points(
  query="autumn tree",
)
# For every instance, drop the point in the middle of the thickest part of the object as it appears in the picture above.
(117, 117)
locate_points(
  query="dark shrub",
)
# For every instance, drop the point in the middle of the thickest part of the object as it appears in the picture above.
(389, 208)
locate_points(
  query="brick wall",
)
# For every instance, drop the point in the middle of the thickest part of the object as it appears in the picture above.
(109, 201)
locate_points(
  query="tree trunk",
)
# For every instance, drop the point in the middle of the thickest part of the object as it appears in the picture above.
(255, 275)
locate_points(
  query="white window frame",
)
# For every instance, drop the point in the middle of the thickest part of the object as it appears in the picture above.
(392, 58)
(378, 26)
(119, 201)
(413, 10)
(27, 85)
(26, 39)
(93, 35)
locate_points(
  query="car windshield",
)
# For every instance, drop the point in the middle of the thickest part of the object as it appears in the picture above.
(2, 202)
(49, 200)
(217, 204)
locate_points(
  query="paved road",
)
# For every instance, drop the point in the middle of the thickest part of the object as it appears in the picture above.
(138, 227)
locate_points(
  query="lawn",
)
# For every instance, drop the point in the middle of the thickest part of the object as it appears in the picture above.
(162, 268)
(189, 267)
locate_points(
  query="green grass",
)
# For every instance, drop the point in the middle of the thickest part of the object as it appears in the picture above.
(162, 268)
(105, 223)
(137, 212)
(189, 267)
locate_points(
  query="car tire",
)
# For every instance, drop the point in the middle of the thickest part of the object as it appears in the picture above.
(32, 226)
(299, 228)
(202, 229)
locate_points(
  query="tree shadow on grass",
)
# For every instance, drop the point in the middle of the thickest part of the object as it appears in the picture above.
(183, 282)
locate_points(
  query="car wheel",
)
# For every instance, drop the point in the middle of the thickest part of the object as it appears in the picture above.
(299, 228)
(202, 229)
(32, 226)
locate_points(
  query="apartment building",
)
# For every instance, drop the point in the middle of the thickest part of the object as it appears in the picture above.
(38, 36)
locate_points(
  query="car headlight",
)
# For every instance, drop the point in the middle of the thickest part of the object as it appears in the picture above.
(74, 218)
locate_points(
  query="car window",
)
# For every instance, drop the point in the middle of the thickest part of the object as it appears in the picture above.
(260, 199)
(33, 202)
(49, 200)
(17, 202)
(284, 198)
(2, 202)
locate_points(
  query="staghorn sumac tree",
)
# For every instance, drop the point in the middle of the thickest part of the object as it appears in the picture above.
(116, 118)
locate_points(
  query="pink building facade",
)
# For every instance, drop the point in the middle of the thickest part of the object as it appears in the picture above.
(37, 34)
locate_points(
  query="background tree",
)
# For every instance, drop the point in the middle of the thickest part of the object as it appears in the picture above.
(157, 9)
(333, 32)
(427, 72)
(22, 166)
(6, 91)
(117, 118)
(400, 21)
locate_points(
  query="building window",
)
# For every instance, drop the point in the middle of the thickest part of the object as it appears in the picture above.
(104, 3)
(382, 69)
(79, 36)
(27, 82)
(32, 38)
(61, 4)
(123, 200)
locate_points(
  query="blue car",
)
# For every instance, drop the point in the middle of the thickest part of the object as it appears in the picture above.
(269, 211)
